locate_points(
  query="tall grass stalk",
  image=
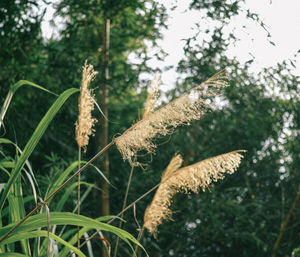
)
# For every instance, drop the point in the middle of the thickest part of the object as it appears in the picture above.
(85, 123)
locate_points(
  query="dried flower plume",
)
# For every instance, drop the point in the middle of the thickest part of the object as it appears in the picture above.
(84, 125)
(190, 178)
(151, 102)
(188, 107)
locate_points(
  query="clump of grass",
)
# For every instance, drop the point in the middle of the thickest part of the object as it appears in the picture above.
(188, 107)
(190, 178)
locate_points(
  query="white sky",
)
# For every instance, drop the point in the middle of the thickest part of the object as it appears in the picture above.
(281, 16)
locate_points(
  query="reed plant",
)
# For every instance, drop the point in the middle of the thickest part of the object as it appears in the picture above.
(40, 233)
(84, 125)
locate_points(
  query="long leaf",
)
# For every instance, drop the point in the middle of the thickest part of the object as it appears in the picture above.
(35, 138)
(60, 178)
(73, 241)
(11, 93)
(66, 195)
(12, 255)
(26, 199)
(66, 218)
(17, 210)
(43, 233)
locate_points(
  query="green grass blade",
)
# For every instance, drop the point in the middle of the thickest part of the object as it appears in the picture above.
(43, 233)
(66, 218)
(30, 174)
(12, 255)
(3, 168)
(26, 199)
(60, 178)
(67, 194)
(11, 93)
(5, 141)
(73, 241)
(21, 83)
(35, 138)
(17, 211)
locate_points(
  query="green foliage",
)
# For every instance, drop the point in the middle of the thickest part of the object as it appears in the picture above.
(20, 41)
(13, 210)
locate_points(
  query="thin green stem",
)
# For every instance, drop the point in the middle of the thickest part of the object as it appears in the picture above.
(78, 195)
(41, 204)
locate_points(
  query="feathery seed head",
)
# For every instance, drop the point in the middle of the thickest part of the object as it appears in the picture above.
(191, 178)
(86, 106)
(181, 111)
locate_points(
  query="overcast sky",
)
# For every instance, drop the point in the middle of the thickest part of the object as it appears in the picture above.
(281, 16)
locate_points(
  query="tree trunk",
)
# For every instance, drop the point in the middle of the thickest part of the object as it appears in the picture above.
(103, 132)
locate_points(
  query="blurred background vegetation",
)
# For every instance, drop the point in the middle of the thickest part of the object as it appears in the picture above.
(240, 216)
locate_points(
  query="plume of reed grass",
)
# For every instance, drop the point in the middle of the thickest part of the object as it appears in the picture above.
(190, 178)
(186, 108)
(84, 125)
